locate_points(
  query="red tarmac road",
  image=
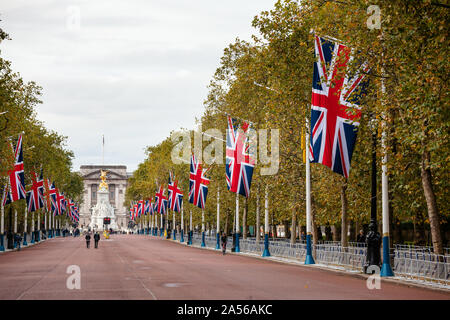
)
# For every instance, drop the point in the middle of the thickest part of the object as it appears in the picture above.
(145, 267)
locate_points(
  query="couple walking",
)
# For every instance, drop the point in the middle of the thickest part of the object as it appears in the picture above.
(96, 239)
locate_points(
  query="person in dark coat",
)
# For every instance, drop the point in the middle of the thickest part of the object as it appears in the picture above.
(224, 243)
(361, 237)
(88, 239)
(96, 239)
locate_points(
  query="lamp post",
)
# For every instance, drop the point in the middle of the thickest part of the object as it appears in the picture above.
(373, 239)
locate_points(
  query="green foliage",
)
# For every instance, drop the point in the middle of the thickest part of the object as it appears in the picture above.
(268, 81)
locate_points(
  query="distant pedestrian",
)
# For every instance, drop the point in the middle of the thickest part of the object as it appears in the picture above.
(18, 239)
(361, 237)
(96, 239)
(88, 239)
(224, 242)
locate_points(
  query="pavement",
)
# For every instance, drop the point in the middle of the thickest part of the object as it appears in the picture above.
(135, 267)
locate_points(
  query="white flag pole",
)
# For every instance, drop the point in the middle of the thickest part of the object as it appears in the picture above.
(266, 252)
(2, 228)
(203, 228)
(386, 270)
(218, 220)
(237, 248)
(25, 227)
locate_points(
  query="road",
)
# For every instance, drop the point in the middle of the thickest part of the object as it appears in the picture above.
(144, 267)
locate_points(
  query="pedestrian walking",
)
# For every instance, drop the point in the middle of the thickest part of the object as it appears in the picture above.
(88, 239)
(224, 243)
(96, 239)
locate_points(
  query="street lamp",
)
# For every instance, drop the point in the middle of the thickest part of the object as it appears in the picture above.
(373, 239)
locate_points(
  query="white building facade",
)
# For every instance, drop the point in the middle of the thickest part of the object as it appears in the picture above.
(117, 179)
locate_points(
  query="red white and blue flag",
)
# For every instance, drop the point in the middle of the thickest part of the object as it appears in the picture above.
(35, 197)
(161, 201)
(335, 109)
(52, 192)
(140, 208)
(16, 176)
(239, 162)
(198, 184)
(70, 208)
(175, 194)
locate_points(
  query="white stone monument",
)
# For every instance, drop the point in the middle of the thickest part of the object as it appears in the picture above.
(103, 209)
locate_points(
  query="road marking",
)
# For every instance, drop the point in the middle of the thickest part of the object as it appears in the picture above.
(45, 275)
(140, 281)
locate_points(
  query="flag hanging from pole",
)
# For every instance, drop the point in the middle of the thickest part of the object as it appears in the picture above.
(335, 109)
(16, 175)
(239, 162)
(198, 184)
(175, 194)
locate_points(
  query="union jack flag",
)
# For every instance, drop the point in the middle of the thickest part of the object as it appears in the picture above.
(140, 207)
(75, 215)
(6, 199)
(239, 162)
(70, 207)
(146, 207)
(35, 197)
(52, 193)
(16, 176)
(175, 194)
(161, 201)
(335, 107)
(198, 184)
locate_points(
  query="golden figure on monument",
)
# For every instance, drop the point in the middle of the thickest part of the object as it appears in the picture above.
(103, 184)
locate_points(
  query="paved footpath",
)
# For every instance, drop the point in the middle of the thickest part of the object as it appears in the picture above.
(145, 267)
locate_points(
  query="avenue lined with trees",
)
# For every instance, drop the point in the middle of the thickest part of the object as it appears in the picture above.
(267, 81)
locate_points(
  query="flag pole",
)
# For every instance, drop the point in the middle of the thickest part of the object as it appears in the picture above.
(386, 270)
(182, 223)
(203, 228)
(190, 228)
(174, 231)
(2, 228)
(25, 227)
(309, 258)
(218, 220)
(266, 252)
(237, 249)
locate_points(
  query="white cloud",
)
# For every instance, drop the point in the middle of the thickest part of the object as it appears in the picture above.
(133, 70)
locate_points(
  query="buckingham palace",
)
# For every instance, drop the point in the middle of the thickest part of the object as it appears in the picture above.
(117, 182)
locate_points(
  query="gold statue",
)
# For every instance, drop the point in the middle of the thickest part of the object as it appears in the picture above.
(103, 177)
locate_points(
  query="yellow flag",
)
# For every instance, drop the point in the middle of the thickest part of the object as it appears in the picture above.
(303, 145)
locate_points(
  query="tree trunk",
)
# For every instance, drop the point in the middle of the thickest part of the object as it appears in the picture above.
(293, 226)
(344, 227)
(433, 213)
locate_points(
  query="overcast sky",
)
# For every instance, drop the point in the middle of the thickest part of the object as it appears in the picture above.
(133, 70)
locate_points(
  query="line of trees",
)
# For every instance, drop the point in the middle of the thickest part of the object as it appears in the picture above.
(268, 81)
(42, 148)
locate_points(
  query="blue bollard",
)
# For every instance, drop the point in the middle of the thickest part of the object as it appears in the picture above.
(237, 249)
(309, 258)
(38, 235)
(24, 243)
(218, 241)
(203, 239)
(2, 242)
(181, 236)
(266, 252)
(386, 270)
(174, 234)
(32, 237)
